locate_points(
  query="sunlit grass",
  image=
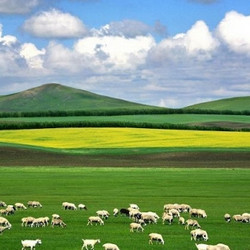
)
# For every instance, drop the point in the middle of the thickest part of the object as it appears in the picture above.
(71, 138)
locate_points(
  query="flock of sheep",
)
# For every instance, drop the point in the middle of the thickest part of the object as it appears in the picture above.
(138, 221)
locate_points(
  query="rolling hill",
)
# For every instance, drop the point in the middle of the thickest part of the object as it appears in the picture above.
(56, 97)
(233, 104)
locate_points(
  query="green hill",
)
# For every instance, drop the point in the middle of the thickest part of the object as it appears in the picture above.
(233, 104)
(56, 97)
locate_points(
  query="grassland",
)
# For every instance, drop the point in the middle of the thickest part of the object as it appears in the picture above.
(217, 191)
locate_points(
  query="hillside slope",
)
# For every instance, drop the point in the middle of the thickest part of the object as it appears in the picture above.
(233, 104)
(56, 97)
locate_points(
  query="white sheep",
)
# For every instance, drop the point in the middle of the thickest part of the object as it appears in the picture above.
(181, 221)
(34, 204)
(167, 217)
(134, 206)
(201, 213)
(26, 221)
(201, 246)
(219, 246)
(82, 207)
(3, 204)
(89, 242)
(110, 246)
(69, 206)
(115, 211)
(155, 237)
(104, 214)
(148, 218)
(56, 216)
(4, 222)
(95, 219)
(227, 217)
(136, 227)
(57, 222)
(174, 212)
(3, 228)
(245, 217)
(30, 243)
(19, 205)
(199, 234)
(192, 223)
(238, 217)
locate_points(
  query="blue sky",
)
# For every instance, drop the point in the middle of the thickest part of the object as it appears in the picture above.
(170, 53)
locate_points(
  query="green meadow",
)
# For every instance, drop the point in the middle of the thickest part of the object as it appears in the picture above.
(218, 191)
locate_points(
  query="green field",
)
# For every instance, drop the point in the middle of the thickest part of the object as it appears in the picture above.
(217, 191)
(168, 118)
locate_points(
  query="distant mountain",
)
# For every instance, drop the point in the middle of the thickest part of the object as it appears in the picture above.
(233, 104)
(56, 97)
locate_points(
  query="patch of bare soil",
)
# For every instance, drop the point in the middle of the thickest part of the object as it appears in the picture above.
(10, 156)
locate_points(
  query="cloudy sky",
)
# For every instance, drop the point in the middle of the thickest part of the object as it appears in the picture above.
(170, 53)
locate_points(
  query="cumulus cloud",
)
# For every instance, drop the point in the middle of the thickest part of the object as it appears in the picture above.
(17, 6)
(116, 51)
(55, 24)
(234, 31)
(198, 42)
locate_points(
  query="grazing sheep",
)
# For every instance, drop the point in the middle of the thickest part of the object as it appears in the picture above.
(227, 217)
(34, 204)
(238, 217)
(30, 243)
(124, 211)
(19, 205)
(3, 228)
(245, 217)
(136, 227)
(181, 221)
(90, 243)
(155, 237)
(3, 204)
(199, 234)
(201, 213)
(82, 207)
(95, 219)
(148, 218)
(3, 212)
(27, 221)
(41, 221)
(192, 223)
(185, 208)
(58, 222)
(4, 222)
(103, 214)
(110, 246)
(134, 214)
(69, 206)
(115, 212)
(174, 212)
(10, 209)
(167, 217)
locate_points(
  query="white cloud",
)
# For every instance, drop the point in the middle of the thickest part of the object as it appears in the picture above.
(234, 31)
(17, 6)
(7, 40)
(32, 55)
(55, 24)
(116, 51)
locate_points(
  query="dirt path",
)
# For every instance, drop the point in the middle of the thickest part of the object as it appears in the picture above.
(10, 156)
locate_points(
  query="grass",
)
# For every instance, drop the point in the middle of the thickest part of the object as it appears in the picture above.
(156, 118)
(75, 138)
(217, 191)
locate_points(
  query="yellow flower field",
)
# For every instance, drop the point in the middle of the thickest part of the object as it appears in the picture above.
(72, 138)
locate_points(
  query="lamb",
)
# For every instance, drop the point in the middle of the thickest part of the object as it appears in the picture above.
(30, 243)
(34, 204)
(192, 223)
(82, 207)
(181, 221)
(3, 228)
(136, 226)
(103, 214)
(115, 212)
(90, 243)
(95, 219)
(155, 237)
(227, 217)
(19, 205)
(199, 234)
(110, 246)
(167, 217)
(27, 221)
(69, 206)
(4, 222)
(57, 222)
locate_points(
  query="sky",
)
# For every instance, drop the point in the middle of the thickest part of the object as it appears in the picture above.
(169, 53)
